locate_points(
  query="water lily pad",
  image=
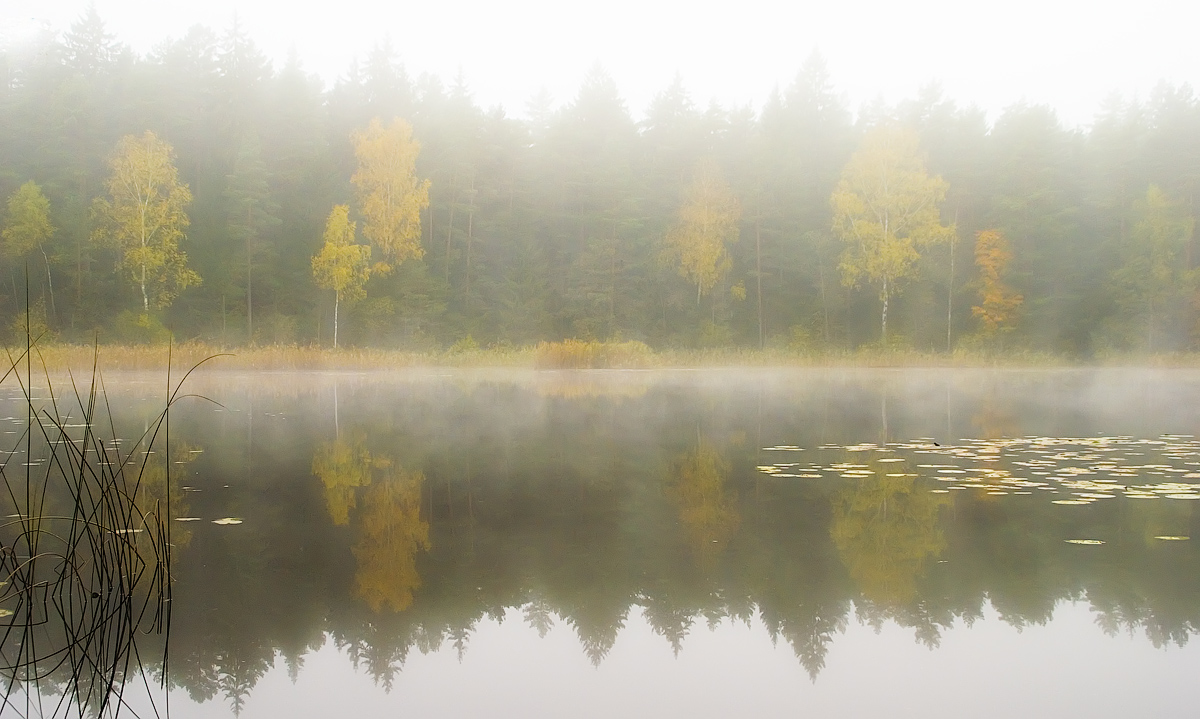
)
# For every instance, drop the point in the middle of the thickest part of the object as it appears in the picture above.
(1084, 541)
(227, 520)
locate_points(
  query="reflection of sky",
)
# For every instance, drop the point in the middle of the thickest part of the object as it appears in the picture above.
(1067, 668)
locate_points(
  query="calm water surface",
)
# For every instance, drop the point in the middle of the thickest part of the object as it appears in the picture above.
(770, 543)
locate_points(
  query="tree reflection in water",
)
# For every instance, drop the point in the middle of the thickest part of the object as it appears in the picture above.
(886, 531)
(578, 511)
(708, 509)
(390, 533)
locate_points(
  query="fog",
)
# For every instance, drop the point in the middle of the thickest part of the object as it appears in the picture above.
(565, 154)
(596, 533)
(1070, 55)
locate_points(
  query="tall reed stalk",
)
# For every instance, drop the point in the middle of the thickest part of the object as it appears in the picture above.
(85, 554)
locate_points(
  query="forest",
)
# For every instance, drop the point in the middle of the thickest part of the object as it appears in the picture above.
(392, 211)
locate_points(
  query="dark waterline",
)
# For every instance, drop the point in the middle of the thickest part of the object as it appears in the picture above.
(691, 543)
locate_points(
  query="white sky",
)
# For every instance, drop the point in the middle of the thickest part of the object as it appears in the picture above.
(1069, 55)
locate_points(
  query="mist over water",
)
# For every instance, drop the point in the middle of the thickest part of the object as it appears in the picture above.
(850, 193)
(683, 540)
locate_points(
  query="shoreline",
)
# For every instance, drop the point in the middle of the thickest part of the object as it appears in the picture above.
(60, 358)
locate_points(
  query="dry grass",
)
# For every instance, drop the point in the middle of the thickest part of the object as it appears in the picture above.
(78, 358)
(565, 354)
(581, 354)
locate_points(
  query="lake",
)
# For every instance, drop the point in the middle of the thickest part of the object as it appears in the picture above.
(680, 543)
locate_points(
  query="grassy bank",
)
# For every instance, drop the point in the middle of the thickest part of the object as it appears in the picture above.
(569, 354)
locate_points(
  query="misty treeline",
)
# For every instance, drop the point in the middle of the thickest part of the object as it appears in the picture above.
(574, 222)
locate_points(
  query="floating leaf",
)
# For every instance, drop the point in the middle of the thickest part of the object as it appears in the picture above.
(227, 520)
(1084, 541)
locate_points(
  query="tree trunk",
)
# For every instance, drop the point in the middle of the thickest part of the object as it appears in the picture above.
(758, 275)
(885, 309)
(145, 297)
(337, 299)
(50, 282)
(470, 241)
(449, 235)
(824, 301)
(612, 281)
(950, 295)
(249, 284)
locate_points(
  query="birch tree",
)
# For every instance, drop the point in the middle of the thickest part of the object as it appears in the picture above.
(884, 208)
(27, 227)
(707, 222)
(1152, 284)
(390, 196)
(341, 265)
(144, 218)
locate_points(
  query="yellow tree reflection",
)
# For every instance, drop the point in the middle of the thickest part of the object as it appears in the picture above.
(707, 510)
(389, 527)
(151, 495)
(391, 532)
(885, 530)
(343, 466)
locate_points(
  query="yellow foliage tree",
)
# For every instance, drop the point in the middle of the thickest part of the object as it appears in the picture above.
(1156, 274)
(341, 265)
(884, 207)
(885, 530)
(144, 218)
(998, 303)
(390, 535)
(707, 510)
(707, 222)
(28, 223)
(390, 197)
(28, 226)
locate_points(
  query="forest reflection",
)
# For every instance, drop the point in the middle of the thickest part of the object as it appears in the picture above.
(433, 506)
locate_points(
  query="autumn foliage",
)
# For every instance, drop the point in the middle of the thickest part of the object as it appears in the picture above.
(999, 304)
(390, 197)
(707, 223)
(582, 354)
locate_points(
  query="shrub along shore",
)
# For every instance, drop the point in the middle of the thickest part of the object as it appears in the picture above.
(567, 354)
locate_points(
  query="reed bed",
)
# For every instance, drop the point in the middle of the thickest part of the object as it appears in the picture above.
(566, 354)
(85, 555)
